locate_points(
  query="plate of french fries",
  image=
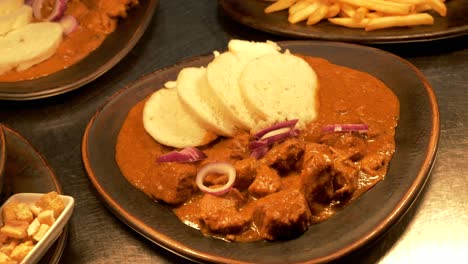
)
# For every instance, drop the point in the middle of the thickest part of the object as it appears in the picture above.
(365, 21)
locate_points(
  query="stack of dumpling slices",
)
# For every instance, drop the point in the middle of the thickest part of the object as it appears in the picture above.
(251, 86)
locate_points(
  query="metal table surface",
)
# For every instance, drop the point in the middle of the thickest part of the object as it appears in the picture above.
(435, 229)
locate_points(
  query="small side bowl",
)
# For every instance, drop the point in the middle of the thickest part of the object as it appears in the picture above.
(2, 156)
(52, 234)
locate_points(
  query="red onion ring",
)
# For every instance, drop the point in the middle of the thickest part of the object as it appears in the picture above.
(361, 128)
(68, 23)
(185, 155)
(289, 123)
(57, 11)
(216, 167)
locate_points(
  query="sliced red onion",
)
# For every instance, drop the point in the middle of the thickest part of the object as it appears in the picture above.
(259, 152)
(68, 23)
(290, 123)
(276, 132)
(258, 144)
(275, 138)
(345, 128)
(57, 11)
(259, 147)
(216, 167)
(186, 155)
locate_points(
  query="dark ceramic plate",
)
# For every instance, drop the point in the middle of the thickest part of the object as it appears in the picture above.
(364, 220)
(27, 171)
(250, 13)
(112, 50)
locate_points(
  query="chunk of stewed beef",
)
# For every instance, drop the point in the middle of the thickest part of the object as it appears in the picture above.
(285, 155)
(345, 179)
(220, 214)
(351, 145)
(246, 170)
(173, 183)
(215, 179)
(327, 176)
(317, 176)
(238, 146)
(282, 215)
(267, 181)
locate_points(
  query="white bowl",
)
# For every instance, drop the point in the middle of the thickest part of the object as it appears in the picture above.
(54, 231)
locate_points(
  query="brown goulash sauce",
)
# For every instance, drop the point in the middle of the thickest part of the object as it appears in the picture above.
(299, 182)
(96, 18)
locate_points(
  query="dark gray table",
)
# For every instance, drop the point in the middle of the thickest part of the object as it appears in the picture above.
(435, 230)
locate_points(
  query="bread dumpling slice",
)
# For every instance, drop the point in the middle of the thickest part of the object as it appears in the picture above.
(250, 50)
(193, 91)
(223, 74)
(280, 87)
(223, 77)
(9, 6)
(15, 19)
(29, 45)
(168, 122)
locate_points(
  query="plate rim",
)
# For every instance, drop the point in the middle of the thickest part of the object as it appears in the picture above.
(397, 213)
(2, 155)
(102, 69)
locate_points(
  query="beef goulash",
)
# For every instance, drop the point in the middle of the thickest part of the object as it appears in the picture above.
(40, 37)
(260, 144)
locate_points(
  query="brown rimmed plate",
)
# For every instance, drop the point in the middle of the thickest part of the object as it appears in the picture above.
(250, 13)
(360, 223)
(2, 156)
(26, 171)
(112, 50)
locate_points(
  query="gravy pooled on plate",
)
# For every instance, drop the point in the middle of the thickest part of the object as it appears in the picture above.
(300, 181)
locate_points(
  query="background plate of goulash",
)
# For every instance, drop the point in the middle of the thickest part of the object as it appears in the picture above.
(114, 48)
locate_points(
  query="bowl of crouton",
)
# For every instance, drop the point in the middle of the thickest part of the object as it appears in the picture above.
(30, 223)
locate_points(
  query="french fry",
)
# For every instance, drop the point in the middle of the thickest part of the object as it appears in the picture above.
(382, 6)
(399, 21)
(411, 2)
(349, 22)
(279, 5)
(303, 14)
(421, 8)
(374, 15)
(333, 10)
(360, 13)
(347, 10)
(318, 15)
(438, 6)
(298, 6)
